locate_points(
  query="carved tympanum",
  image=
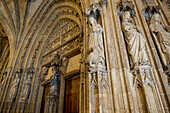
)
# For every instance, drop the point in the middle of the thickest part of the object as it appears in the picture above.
(162, 36)
(136, 43)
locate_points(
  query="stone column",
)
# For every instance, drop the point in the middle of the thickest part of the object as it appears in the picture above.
(51, 102)
(144, 78)
(98, 80)
(98, 90)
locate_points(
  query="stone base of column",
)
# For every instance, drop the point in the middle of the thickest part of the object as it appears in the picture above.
(51, 104)
(98, 90)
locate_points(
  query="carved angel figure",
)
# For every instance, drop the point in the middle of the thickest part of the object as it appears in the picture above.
(96, 49)
(27, 87)
(162, 36)
(14, 86)
(136, 43)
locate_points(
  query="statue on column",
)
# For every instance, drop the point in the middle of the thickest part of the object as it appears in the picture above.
(14, 86)
(27, 87)
(55, 75)
(96, 48)
(3, 81)
(136, 44)
(162, 36)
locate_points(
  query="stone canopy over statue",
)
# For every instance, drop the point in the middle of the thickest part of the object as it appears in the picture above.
(136, 44)
(162, 36)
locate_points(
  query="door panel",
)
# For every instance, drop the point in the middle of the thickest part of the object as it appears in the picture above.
(71, 102)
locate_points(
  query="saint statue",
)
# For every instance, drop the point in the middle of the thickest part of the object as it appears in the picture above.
(27, 88)
(3, 81)
(54, 81)
(14, 86)
(162, 36)
(136, 44)
(96, 48)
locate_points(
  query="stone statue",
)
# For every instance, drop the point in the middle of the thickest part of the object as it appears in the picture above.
(96, 49)
(14, 86)
(54, 81)
(3, 81)
(136, 44)
(44, 73)
(162, 36)
(27, 87)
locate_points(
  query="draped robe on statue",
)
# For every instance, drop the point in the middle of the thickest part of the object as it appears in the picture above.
(135, 44)
(163, 38)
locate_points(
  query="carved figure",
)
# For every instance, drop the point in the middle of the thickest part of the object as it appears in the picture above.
(96, 49)
(3, 81)
(14, 86)
(136, 44)
(162, 36)
(54, 81)
(44, 73)
(27, 87)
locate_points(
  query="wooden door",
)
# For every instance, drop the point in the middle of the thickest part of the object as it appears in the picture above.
(46, 91)
(71, 102)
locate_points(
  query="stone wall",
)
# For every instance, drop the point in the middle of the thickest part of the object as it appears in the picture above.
(120, 48)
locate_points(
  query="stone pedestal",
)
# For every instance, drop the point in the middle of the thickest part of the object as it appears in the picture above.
(51, 104)
(98, 90)
(143, 77)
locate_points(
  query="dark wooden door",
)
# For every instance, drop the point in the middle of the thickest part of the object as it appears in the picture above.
(46, 91)
(71, 102)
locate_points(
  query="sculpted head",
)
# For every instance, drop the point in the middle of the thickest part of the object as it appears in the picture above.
(92, 20)
(156, 18)
(126, 15)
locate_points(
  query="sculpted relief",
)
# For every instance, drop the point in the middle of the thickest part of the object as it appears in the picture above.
(27, 87)
(162, 35)
(136, 44)
(14, 86)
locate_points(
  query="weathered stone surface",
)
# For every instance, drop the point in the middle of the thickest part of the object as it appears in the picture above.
(93, 50)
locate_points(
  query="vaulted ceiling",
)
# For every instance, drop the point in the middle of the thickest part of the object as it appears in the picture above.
(16, 14)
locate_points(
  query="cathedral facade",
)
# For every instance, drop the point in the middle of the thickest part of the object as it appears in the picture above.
(84, 56)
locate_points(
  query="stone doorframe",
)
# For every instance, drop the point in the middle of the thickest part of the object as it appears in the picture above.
(62, 89)
(64, 75)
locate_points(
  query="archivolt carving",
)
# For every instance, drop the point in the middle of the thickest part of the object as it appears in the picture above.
(14, 86)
